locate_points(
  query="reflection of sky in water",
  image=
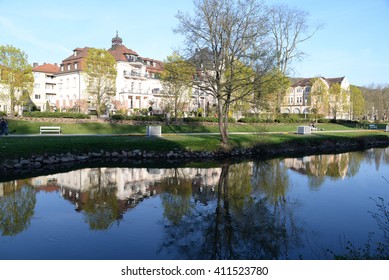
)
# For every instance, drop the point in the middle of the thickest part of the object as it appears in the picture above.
(276, 209)
(338, 211)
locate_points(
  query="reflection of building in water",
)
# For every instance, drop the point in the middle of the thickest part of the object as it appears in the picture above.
(335, 166)
(132, 185)
(204, 184)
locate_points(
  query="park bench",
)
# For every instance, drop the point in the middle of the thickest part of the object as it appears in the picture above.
(372, 126)
(50, 129)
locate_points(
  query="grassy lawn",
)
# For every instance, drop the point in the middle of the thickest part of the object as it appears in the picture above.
(28, 127)
(16, 147)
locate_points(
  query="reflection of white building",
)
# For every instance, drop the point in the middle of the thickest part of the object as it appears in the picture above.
(130, 182)
(320, 165)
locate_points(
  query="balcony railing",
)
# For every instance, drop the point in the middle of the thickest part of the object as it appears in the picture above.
(134, 74)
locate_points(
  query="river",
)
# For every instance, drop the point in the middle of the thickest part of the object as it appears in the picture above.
(314, 207)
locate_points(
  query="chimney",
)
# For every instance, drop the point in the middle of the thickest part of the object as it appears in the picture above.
(35, 64)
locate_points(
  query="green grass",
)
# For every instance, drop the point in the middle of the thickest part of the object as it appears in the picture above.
(131, 137)
(28, 127)
(16, 147)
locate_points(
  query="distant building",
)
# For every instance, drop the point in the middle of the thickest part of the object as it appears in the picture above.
(299, 98)
(137, 81)
(45, 86)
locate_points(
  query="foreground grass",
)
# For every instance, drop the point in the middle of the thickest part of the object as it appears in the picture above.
(17, 147)
(20, 127)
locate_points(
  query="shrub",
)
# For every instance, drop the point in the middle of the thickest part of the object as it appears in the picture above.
(205, 119)
(37, 114)
(255, 120)
(138, 118)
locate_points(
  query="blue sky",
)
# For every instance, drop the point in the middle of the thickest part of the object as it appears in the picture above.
(353, 41)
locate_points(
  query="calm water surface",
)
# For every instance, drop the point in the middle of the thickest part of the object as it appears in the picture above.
(309, 208)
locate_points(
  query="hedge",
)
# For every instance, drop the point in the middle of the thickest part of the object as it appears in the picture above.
(206, 119)
(66, 115)
(138, 118)
(255, 120)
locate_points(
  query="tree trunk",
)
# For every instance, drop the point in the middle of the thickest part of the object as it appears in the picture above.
(223, 122)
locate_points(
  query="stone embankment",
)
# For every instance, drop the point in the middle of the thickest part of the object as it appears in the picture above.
(52, 161)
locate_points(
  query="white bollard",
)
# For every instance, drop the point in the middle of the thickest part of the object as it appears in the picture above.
(153, 130)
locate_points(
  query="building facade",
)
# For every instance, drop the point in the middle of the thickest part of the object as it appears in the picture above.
(302, 96)
(45, 90)
(63, 88)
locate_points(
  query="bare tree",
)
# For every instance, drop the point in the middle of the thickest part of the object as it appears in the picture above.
(289, 28)
(224, 38)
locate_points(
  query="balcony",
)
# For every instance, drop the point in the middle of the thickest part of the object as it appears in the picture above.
(135, 61)
(134, 75)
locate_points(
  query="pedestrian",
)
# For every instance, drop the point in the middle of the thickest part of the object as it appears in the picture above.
(3, 127)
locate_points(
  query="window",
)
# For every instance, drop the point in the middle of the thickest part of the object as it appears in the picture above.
(74, 82)
(37, 86)
(37, 96)
(62, 68)
(76, 66)
(68, 67)
(67, 83)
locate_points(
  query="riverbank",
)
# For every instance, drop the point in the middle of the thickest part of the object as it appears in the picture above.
(35, 155)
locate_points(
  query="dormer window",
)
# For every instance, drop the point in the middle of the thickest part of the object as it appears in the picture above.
(75, 53)
(76, 66)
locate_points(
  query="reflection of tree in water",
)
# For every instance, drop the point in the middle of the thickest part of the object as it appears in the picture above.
(101, 206)
(234, 225)
(272, 180)
(16, 208)
(176, 196)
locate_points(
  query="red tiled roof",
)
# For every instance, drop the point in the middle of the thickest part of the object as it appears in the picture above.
(158, 65)
(81, 53)
(119, 52)
(302, 83)
(46, 68)
(77, 57)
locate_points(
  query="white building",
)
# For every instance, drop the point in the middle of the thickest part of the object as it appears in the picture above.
(297, 101)
(137, 81)
(45, 86)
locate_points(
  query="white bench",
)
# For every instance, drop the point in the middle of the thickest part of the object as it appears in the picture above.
(372, 126)
(50, 129)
